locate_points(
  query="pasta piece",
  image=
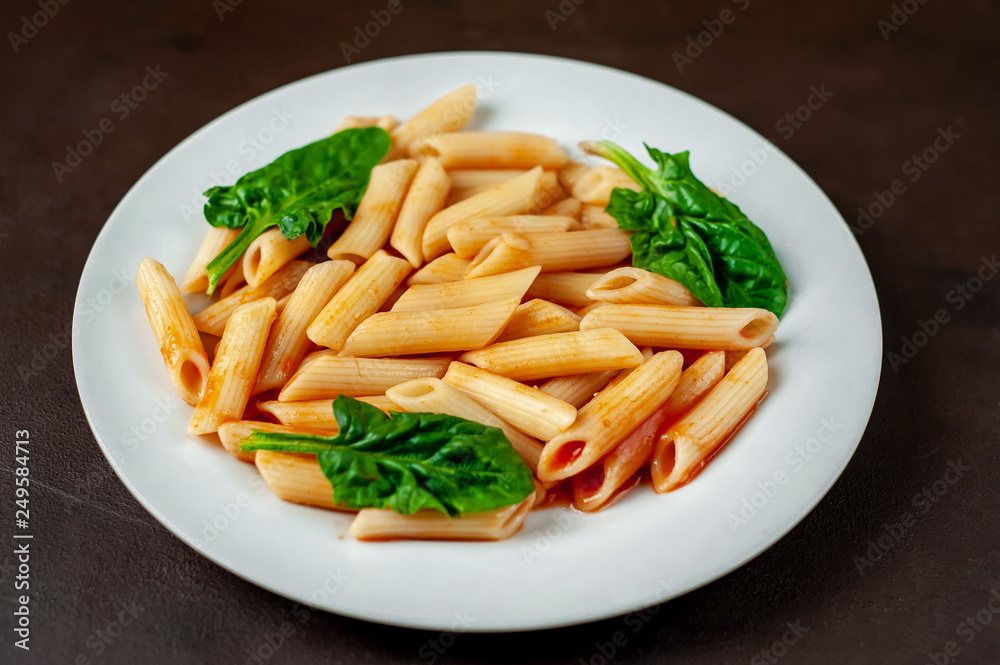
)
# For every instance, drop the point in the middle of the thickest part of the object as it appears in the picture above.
(694, 384)
(468, 237)
(685, 447)
(447, 114)
(235, 432)
(358, 299)
(232, 281)
(216, 239)
(327, 375)
(637, 286)
(268, 253)
(386, 122)
(539, 317)
(376, 524)
(567, 207)
(424, 200)
(465, 293)
(212, 319)
(437, 331)
(297, 479)
(579, 388)
(436, 396)
(567, 288)
(595, 217)
(509, 198)
(287, 343)
(476, 178)
(549, 193)
(377, 212)
(445, 268)
(593, 184)
(560, 354)
(608, 418)
(663, 326)
(175, 332)
(492, 150)
(528, 409)
(234, 372)
(316, 413)
(587, 309)
(555, 252)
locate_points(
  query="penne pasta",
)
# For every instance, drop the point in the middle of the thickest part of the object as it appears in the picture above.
(296, 479)
(695, 382)
(595, 217)
(559, 354)
(465, 293)
(234, 372)
(316, 413)
(469, 236)
(579, 388)
(386, 122)
(685, 447)
(233, 433)
(712, 328)
(549, 193)
(566, 288)
(327, 375)
(509, 198)
(424, 199)
(445, 268)
(447, 114)
(375, 524)
(268, 253)
(528, 409)
(436, 396)
(636, 286)
(538, 317)
(554, 252)
(287, 343)
(216, 239)
(436, 331)
(233, 280)
(608, 418)
(492, 150)
(213, 319)
(479, 178)
(593, 184)
(377, 212)
(566, 208)
(174, 329)
(358, 299)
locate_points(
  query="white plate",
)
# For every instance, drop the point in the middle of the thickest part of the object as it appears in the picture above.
(561, 568)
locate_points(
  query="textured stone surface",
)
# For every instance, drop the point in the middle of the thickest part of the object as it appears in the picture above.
(97, 552)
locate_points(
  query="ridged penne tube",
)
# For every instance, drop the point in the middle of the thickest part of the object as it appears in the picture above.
(474, 178)
(174, 329)
(375, 524)
(593, 184)
(328, 375)
(492, 150)
(424, 200)
(684, 448)
(513, 197)
(579, 388)
(636, 286)
(377, 212)
(436, 331)
(445, 268)
(560, 354)
(608, 418)
(212, 319)
(555, 252)
(528, 409)
(539, 317)
(386, 122)
(316, 413)
(235, 432)
(268, 252)
(358, 299)
(469, 236)
(595, 217)
(664, 326)
(234, 371)
(567, 288)
(549, 193)
(695, 382)
(216, 239)
(465, 293)
(232, 281)
(549, 190)
(567, 207)
(287, 343)
(447, 114)
(296, 479)
(436, 396)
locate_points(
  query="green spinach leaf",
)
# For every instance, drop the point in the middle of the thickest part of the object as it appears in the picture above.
(685, 231)
(411, 461)
(297, 192)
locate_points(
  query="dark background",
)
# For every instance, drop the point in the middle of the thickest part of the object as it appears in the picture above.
(97, 551)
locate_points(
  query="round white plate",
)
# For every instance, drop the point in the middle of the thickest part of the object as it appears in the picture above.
(562, 568)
